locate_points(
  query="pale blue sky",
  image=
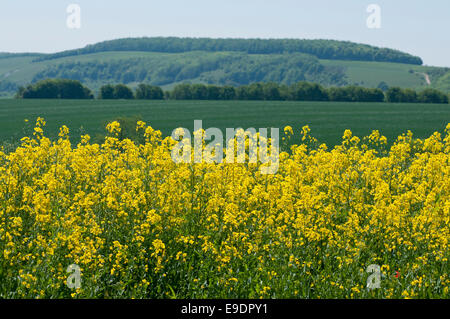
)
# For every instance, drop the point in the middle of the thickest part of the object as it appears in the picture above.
(416, 26)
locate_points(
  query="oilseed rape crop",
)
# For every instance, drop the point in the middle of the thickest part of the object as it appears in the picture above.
(139, 225)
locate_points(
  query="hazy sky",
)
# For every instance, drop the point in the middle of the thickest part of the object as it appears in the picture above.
(416, 26)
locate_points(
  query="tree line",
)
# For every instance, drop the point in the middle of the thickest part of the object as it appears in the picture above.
(323, 49)
(398, 95)
(121, 91)
(305, 91)
(55, 89)
(300, 91)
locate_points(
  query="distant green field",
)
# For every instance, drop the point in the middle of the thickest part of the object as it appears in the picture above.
(370, 74)
(328, 120)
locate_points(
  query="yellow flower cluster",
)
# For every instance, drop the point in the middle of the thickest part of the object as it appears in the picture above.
(140, 225)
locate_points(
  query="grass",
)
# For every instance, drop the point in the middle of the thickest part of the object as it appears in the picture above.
(327, 120)
(370, 74)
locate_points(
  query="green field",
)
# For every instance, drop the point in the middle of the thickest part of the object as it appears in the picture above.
(327, 120)
(370, 74)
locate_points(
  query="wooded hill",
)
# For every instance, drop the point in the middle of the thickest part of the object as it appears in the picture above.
(323, 49)
(167, 62)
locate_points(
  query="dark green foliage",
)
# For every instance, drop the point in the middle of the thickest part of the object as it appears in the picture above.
(394, 95)
(355, 94)
(432, 96)
(119, 91)
(213, 92)
(181, 92)
(253, 91)
(227, 93)
(259, 91)
(149, 92)
(304, 91)
(187, 91)
(324, 49)
(409, 96)
(55, 89)
(301, 91)
(399, 95)
(274, 92)
(107, 92)
(199, 92)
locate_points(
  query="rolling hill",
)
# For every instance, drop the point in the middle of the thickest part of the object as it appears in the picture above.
(168, 61)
